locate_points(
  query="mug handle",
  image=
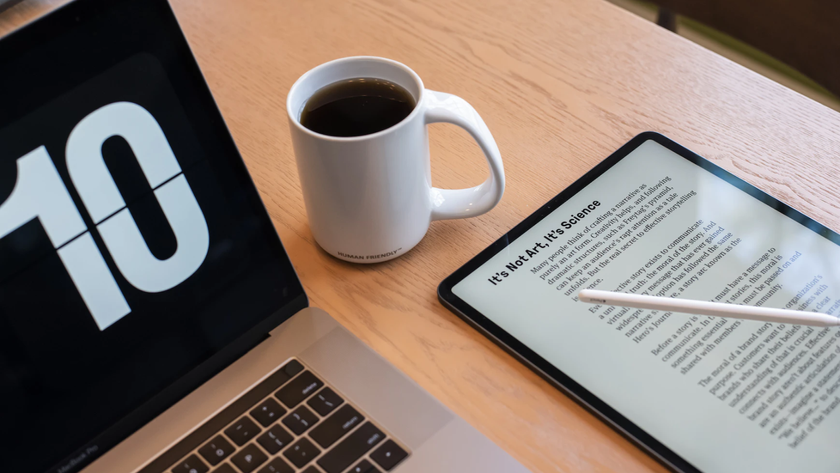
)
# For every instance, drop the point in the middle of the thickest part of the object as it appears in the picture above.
(464, 203)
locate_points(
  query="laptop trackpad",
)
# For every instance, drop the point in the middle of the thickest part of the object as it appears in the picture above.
(384, 393)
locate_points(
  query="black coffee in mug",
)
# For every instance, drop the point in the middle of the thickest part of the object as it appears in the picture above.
(356, 107)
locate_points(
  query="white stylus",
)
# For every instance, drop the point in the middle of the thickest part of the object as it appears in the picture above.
(717, 309)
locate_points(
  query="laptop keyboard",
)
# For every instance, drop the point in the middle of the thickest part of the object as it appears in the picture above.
(291, 422)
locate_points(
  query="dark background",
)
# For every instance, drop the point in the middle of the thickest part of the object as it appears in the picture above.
(63, 382)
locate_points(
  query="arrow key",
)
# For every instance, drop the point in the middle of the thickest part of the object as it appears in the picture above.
(388, 455)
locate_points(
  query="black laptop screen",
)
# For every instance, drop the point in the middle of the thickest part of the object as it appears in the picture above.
(136, 259)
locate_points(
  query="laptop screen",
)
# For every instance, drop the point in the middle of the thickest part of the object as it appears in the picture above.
(136, 258)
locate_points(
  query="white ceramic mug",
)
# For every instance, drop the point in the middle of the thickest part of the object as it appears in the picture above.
(370, 198)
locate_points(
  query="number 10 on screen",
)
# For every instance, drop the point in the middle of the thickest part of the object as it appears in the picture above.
(39, 192)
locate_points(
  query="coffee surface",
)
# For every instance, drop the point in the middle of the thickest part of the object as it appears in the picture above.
(356, 107)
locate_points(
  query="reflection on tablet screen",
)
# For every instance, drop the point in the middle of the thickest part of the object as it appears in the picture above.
(726, 395)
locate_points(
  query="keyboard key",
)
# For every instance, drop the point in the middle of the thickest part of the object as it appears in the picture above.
(302, 452)
(224, 469)
(388, 455)
(325, 401)
(249, 458)
(351, 449)
(300, 420)
(275, 439)
(277, 466)
(242, 431)
(364, 466)
(336, 426)
(217, 450)
(212, 427)
(311, 469)
(299, 389)
(268, 412)
(191, 465)
(292, 368)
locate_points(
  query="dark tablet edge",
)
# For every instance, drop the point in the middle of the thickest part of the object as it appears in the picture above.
(541, 366)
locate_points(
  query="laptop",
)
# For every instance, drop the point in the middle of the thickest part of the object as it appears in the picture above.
(150, 319)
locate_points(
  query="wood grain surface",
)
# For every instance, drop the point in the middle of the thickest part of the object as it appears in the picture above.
(561, 84)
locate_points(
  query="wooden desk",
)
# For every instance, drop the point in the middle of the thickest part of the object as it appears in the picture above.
(561, 84)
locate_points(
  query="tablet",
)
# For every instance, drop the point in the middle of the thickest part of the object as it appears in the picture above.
(701, 394)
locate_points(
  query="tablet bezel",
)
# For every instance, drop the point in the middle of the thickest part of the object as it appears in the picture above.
(543, 367)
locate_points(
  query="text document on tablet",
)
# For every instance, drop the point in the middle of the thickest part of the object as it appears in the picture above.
(726, 395)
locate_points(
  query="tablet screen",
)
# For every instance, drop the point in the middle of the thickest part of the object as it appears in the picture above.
(725, 395)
